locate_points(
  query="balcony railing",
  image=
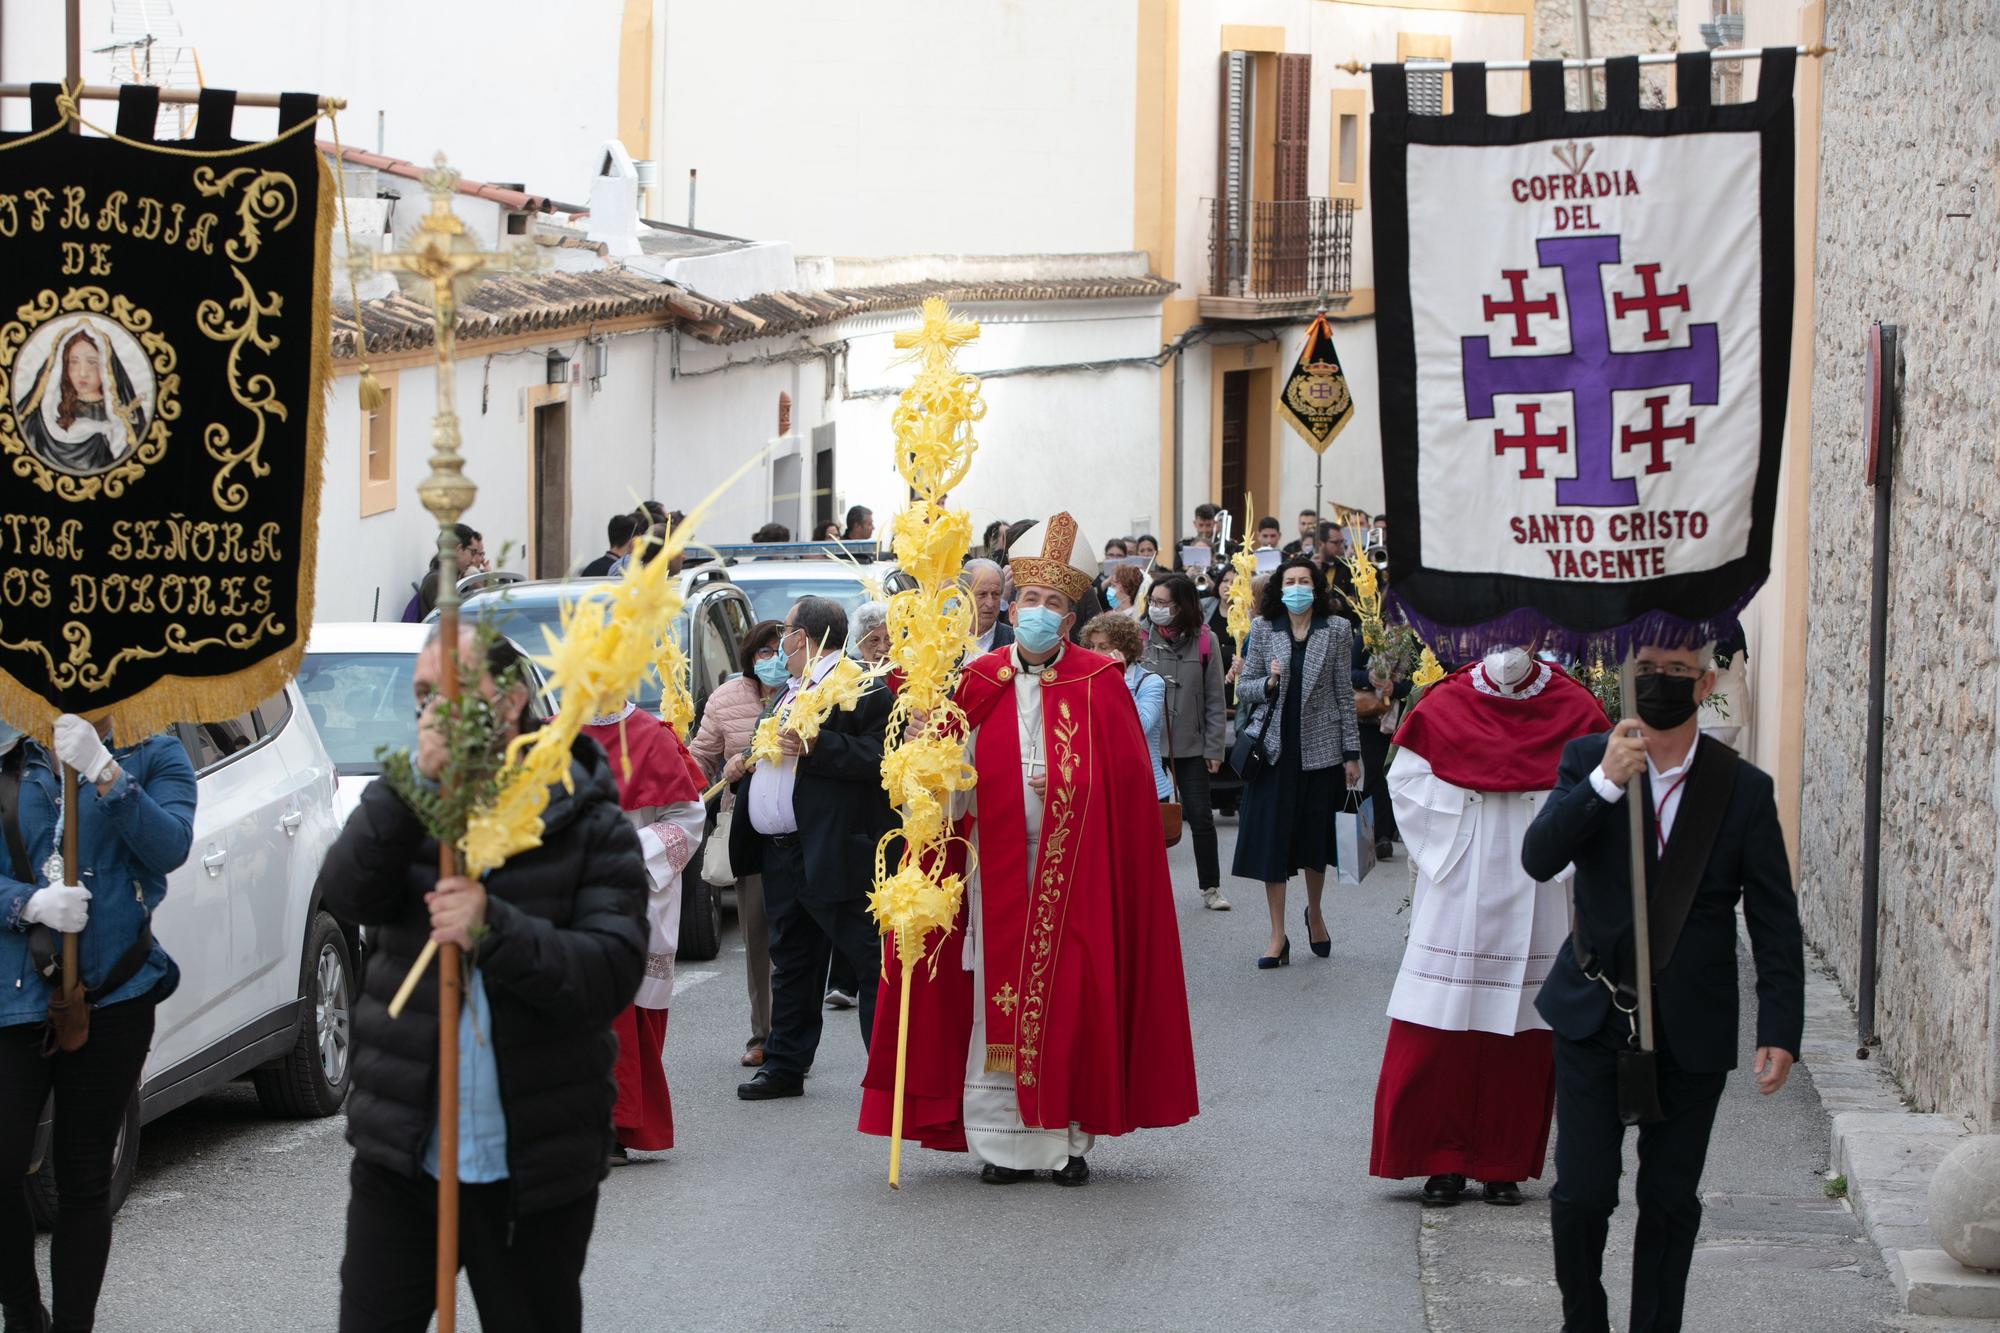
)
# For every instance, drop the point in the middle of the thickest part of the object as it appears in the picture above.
(1278, 254)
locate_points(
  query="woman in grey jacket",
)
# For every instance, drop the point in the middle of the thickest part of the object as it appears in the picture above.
(1182, 651)
(1297, 701)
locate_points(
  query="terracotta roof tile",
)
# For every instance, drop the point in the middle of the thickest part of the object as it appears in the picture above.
(511, 304)
(772, 313)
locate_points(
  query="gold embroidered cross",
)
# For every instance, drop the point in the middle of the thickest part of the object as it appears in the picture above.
(1005, 999)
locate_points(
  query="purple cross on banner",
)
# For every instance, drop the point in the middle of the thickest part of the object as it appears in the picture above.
(1590, 371)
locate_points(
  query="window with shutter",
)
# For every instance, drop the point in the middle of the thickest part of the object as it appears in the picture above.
(1232, 174)
(1294, 125)
(1428, 94)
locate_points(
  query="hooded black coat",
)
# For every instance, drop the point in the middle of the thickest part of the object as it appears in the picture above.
(563, 954)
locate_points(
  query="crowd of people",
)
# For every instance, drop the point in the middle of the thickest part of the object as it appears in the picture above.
(1511, 1005)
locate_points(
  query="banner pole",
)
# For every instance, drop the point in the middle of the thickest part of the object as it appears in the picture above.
(449, 979)
(72, 980)
(1642, 926)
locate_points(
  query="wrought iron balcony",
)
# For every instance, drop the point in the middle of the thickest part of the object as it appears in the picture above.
(1271, 258)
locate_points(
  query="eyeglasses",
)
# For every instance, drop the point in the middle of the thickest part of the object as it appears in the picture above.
(1671, 670)
(764, 654)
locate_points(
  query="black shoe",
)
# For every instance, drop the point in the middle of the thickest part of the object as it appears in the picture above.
(766, 1086)
(1074, 1172)
(1385, 849)
(27, 1319)
(1445, 1190)
(1321, 948)
(1505, 1193)
(1283, 958)
(618, 1156)
(1003, 1175)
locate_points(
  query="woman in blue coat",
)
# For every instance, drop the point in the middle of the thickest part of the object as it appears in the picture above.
(135, 813)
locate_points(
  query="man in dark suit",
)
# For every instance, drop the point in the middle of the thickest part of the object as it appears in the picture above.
(1729, 803)
(809, 824)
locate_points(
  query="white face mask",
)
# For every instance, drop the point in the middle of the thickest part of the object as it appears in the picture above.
(1160, 615)
(9, 738)
(1508, 667)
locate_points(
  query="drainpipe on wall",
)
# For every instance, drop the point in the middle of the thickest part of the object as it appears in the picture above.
(1172, 526)
(1884, 391)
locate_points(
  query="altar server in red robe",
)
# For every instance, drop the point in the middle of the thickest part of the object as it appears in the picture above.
(1468, 1082)
(659, 786)
(1057, 1010)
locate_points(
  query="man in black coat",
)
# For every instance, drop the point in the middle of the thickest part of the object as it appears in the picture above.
(1728, 802)
(810, 825)
(556, 939)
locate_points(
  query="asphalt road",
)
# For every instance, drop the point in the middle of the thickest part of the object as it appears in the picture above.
(777, 1215)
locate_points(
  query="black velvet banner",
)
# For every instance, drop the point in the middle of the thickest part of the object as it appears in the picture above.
(163, 359)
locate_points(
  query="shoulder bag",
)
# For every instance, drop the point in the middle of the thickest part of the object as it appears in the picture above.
(1170, 809)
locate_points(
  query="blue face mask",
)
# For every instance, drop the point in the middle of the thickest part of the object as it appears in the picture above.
(771, 670)
(10, 736)
(1037, 628)
(1298, 600)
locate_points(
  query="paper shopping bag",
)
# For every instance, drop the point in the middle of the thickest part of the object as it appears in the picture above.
(1354, 839)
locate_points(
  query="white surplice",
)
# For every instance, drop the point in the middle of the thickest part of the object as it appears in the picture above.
(1482, 933)
(994, 1130)
(668, 835)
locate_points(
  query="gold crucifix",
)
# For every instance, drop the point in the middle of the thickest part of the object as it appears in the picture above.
(442, 255)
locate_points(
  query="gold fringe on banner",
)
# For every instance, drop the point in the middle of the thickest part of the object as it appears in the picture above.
(999, 1059)
(174, 699)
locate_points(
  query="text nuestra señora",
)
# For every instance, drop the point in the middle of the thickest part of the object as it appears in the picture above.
(153, 547)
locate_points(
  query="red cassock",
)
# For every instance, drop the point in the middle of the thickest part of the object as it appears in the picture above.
(652, 768)
(1086, 1001)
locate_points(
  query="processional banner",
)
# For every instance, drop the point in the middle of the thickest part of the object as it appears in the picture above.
(163, 353)
(1584, 324)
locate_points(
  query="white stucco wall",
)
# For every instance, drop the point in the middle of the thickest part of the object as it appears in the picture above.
(512, 93)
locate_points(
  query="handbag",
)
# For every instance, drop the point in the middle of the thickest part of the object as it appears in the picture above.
(715, 868)
(1369, 705)
(1248, 753)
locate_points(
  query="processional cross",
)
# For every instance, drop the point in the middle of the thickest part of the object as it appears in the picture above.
(441, 254)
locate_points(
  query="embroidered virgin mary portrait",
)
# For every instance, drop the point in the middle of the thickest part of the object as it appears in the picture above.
(89, 394)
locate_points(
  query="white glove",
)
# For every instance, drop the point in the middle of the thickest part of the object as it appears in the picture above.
(61, 907)
(79, 746)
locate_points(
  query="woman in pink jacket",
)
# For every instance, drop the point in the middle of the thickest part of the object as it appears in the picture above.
(727, 725)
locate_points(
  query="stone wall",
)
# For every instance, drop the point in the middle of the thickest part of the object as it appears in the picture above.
(1617, 28)
(1909, 102)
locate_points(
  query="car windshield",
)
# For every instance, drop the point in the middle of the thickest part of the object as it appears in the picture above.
(772, 594)
(360, 703)
(522, 618)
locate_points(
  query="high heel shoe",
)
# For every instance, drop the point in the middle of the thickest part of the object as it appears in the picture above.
(1283, 958)
(1321, 948)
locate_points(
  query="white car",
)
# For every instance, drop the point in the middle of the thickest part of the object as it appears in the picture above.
(355, 680)
(267, 976)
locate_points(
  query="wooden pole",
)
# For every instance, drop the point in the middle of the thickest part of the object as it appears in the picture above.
(72, 978)
(902, 1060)
(449, 980)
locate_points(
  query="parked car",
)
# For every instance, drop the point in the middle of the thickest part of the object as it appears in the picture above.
(712, 622)
(355, 681)
(267, 975)
(778, 575)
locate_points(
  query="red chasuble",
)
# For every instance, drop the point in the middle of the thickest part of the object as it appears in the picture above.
(661, 771)
(1086, 1003)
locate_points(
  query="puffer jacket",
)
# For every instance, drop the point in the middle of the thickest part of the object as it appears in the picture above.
(563, 954)
(128, 840)
(727, 723)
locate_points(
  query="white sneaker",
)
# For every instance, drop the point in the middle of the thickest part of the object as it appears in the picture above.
(1213, 900)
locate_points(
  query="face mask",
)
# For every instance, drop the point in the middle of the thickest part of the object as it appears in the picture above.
(1111, 598)
(1037, 628)
(9, 737)
(1665, 702)
(1208, 605)
(1508, 666)
(1298, 600)
(772, 671)
(1162, 616)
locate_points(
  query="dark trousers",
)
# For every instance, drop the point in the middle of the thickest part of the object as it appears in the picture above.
(1198, 814)
(92, 1086)
(1375, 760)
(1589, 1156)
(526, 1272)
(805, 935)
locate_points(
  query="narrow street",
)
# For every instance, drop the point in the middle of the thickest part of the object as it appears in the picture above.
(1258, 1214)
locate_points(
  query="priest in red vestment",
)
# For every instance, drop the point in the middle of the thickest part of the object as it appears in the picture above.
(1468, 1078)
(659, 786)
(1056, 1011)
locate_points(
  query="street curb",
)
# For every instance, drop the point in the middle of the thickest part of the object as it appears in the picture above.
(1888, 1153)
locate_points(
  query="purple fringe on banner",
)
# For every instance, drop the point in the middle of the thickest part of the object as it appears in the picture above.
(1529, 627)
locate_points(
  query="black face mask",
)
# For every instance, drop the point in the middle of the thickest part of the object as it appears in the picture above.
(1664, 702)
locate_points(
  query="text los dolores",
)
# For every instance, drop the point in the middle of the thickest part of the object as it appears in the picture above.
(225, 546)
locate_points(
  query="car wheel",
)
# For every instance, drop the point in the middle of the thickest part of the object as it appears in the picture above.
(311, 1080)
(43, 1195)
(701, 920)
